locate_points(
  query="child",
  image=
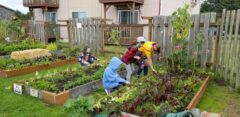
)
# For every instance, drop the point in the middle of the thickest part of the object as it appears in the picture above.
(147, 50)
(85, 57)
(111, 79)
(130, 56)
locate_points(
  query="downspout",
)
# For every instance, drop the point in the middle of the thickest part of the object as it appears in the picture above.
(159, 10)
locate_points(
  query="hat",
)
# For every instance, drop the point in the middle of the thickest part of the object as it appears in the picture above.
(141, 39)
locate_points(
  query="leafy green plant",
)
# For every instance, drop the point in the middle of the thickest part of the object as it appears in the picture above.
(52, 47)
(3, 30)
(163, 92)
(15, 28)
(79, 107)
(181, 24)
(28, 43)
(114, 36)
(64, 80)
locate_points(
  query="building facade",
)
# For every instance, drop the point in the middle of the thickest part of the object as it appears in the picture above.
(6, 13)
(118, 11)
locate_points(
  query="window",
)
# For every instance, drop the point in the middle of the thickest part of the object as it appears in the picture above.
(52, 16)
(125, 17)
(79, 14)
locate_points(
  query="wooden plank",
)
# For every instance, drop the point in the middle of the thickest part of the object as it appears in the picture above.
(165, 38)
(224, 42)
(161, 33)
(169, 38)
(155, 27)
(196, 31)
(98, 35)
(205, 40)
(230, 45)
(219, 42)
(77, 42)
(238, 67)
(211, 38)
(89, 33)
(81, 33)
(85, 30)
(191, 39)
(233, 57)
(198, 95)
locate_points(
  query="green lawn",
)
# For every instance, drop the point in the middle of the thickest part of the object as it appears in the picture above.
(220, 99)
(121, 49)
(216, 99)
(14, 105)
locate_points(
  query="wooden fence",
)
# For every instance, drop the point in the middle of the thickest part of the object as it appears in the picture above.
(45, 31)
(126, 33)
(220, 45)
(228, 48)
(85, 32)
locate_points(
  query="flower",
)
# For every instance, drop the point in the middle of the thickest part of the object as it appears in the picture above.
(207, 51)
(178, 47)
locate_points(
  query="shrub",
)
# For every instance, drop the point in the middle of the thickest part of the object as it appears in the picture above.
(3, 30)
(52, 47)
(78, 107)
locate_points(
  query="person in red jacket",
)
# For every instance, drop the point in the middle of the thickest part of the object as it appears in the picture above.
(130, 56)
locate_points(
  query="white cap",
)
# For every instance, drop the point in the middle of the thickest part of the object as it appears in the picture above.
(141, 39)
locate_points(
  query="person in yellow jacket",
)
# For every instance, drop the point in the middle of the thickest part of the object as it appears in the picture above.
(146, 52)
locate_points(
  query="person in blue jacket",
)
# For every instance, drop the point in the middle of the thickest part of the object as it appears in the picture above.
(111, 79)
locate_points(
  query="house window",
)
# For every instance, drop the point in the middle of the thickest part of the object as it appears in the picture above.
(125, 17)
(79, 14)
(52, 16)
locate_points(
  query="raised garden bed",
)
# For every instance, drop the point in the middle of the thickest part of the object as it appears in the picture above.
(155, 95)
(56, 88)
(27, 70)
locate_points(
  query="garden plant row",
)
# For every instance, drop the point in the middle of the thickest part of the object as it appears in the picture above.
(55, 88)
(155, 95)
(10, 67)
(29, 43)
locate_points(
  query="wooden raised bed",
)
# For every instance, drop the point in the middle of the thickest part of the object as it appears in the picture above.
(27, 70)
(193, 102)
(60, 98)
(198, 95)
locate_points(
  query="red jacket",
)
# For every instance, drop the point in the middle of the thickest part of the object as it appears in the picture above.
(129, 55)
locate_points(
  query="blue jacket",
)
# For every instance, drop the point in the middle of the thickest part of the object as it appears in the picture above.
(111, 78)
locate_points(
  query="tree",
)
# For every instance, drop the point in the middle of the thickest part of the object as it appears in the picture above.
(22, 16)
(218, 5)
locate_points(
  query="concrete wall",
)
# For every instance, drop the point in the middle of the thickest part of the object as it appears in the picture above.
(38, 14)
(169, 6)
(62, 14)
(93, 7)
(6, 14)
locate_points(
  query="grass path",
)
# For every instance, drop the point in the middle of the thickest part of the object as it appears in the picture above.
(14, 105)
(220, 99)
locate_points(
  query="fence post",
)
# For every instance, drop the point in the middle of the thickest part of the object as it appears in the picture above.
(69, 34)
(217, 44)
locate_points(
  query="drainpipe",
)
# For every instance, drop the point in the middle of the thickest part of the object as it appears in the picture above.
(159, 10)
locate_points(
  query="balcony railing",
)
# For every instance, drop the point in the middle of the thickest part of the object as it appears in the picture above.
(121, 1)
(41, 3)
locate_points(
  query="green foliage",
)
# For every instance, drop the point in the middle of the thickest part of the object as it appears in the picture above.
(28, 43)
(181, 24)
(219, 5)
(15, 28)
(69, 78)
(114, 36)
(10, 64)
(22, 16)
(155, 95)
(78, 107)
(52, 47)
(3, 30)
